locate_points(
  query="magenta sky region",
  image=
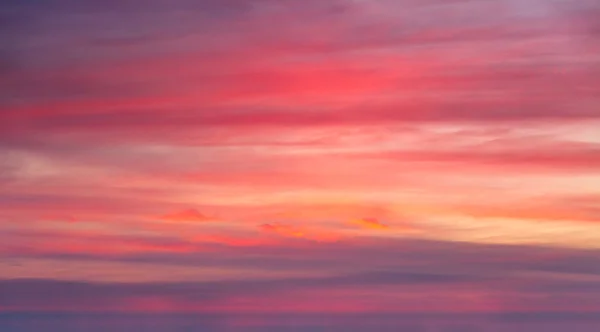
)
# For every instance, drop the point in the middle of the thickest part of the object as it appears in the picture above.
(305, 165)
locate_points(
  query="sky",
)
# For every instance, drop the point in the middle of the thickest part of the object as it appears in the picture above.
(300, 165)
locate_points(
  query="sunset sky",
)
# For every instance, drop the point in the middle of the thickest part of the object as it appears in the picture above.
(300, 165)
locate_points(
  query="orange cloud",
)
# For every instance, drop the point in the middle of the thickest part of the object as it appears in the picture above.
(369, 223)
(187, 215)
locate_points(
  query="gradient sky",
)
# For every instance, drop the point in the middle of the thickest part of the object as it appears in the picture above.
(305, 165)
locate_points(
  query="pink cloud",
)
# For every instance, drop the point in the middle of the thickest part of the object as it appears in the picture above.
(300, 232)
(187, 215)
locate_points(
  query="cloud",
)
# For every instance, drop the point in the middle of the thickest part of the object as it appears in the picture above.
(513, 292)
(369, 223)
(550, 156)
(388, 275)
(41, 294)
(104, 204)
(299, 232)
(100, 243)
(358, 253)
(117, 93)
(282, 229)
(546, 208)
(187, 215)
